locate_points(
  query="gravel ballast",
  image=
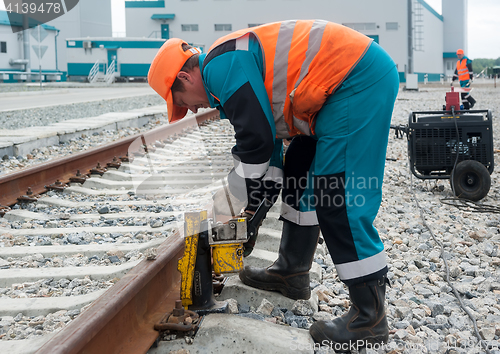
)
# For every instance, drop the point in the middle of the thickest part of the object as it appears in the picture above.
(49, 115)
(424, 314)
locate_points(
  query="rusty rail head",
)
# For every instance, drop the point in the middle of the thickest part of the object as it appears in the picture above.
(15, 184)
(122, 319)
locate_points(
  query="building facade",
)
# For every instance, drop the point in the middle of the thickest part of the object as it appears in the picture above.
(128, 57)
(89, 18)
(23, 53)
(418, 38)
(455, 33)
(29, 54)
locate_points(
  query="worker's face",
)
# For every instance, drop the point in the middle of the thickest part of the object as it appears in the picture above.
(460, 56)
(194, 96)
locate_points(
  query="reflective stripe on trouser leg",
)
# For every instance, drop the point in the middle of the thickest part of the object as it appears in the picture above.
(465, 100)
(466, 97)
(297, 193)
(349, 168)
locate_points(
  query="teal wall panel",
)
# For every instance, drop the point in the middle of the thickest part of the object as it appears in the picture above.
(374, 37)
(119, 44)
(130, 4)
(421, 77)
(79, 69)
(135, 70)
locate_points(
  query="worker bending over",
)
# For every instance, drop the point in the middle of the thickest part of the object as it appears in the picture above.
(332, 90)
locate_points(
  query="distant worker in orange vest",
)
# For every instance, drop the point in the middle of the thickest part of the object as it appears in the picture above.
(332, 91)
(464, 74)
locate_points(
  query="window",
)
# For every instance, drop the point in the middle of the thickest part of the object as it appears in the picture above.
(192, 28)
(254, 24)
(362, 26)
(448, 65)
(391, 26)
(374, 37)
(223, 27)
(3, 47)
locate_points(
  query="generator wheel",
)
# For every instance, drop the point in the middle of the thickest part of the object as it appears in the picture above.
(471, 180)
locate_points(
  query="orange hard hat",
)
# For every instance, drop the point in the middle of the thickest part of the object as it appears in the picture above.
(460, 51)
(164, 69)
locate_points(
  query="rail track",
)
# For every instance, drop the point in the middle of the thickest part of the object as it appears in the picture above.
(75, 275)
(73, 237)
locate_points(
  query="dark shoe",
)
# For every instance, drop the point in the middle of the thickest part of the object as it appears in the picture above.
(289, 274)
(365, 323)
(293, 286)
(250, 244)
(472, 102)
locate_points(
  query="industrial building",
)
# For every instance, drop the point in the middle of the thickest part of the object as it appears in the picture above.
(20, 51)
(16, 49)
(89, 18)
(419, 39)
(108, 58)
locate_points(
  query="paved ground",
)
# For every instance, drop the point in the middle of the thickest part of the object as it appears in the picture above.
(11, 101)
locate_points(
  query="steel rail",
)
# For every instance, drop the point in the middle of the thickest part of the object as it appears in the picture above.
(122, 319)
(15, 184)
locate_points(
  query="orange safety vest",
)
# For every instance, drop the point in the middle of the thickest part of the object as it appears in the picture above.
(462, 70)
(305, 61)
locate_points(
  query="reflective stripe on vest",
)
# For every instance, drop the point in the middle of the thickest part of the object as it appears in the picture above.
(462, 70)
(304, 63)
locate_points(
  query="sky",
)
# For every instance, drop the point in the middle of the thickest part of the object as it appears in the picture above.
(118, 16)
(483, 29)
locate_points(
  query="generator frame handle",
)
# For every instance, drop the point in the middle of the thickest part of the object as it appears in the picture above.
(454, 115)
(413, 115)
(421, 176)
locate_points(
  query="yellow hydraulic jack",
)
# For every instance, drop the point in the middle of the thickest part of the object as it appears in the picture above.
(204, 241)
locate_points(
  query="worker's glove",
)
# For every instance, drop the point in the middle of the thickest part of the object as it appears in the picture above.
(225, 203)
(250, 244)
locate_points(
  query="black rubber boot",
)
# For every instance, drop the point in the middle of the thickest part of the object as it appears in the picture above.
(465, 101)
(250, 244)
(289, 274)
(472, 101)
(365, 323)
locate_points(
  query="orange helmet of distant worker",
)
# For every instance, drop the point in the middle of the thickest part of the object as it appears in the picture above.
(460, 52)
